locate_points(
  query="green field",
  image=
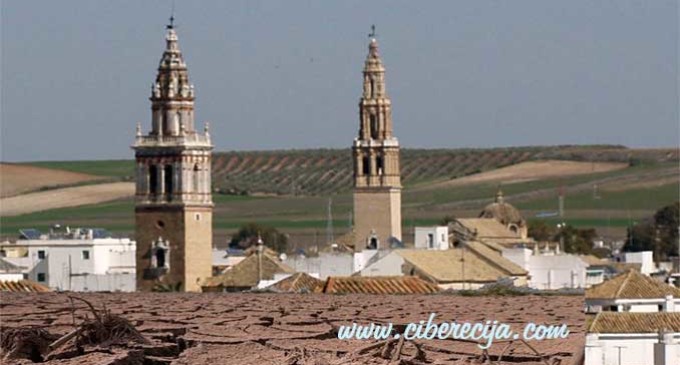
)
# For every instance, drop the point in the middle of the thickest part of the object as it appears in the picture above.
(305, 180)
(109, 168)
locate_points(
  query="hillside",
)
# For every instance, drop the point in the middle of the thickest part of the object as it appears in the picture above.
(323, 172)
(329, 171)
(607, 187)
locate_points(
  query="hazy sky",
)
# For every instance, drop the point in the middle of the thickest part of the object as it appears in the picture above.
(76, 75)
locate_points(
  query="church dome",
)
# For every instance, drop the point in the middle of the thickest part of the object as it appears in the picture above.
(502, 212)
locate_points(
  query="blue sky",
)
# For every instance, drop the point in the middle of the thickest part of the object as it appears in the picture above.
(76, 75)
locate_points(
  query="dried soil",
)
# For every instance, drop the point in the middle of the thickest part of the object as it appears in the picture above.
(215, 328)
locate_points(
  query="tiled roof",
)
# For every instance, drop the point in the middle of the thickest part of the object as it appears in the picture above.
(631, 322)
(22, 286)
(495, 258)
(377, 285)
(297, 283)
(487, 228)
(246, 273)
(461, 265)
(631, 285)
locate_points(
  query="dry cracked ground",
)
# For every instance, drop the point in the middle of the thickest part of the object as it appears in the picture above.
(271, 329)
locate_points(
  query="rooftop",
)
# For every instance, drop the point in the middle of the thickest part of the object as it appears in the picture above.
(377, 285)
(630, 322)
(297, 283)
(631, 285)
(22, 286)
(246, 274)
(477, 263)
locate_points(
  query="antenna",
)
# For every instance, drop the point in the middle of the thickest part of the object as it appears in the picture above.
(329, 224)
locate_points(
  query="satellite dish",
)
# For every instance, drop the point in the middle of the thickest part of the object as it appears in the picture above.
(283, 257)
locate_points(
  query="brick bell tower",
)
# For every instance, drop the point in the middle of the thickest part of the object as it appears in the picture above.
(173, 207)
(377, 181)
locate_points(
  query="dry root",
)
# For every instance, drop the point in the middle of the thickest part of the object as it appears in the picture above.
(24, 343)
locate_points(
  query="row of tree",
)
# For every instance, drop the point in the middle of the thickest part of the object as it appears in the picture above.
(658, 234)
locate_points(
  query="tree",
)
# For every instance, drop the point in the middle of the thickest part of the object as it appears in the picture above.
(658, 234)
(248, 234)
(575, 240)
(446, 220)
(540, 231)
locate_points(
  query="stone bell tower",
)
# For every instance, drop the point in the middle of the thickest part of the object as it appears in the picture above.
(173, 208)
(377, 181)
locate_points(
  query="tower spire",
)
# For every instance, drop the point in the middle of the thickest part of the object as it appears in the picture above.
(173, 198)
(377, 182)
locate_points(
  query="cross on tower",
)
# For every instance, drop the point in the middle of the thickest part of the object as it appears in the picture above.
(372, 34)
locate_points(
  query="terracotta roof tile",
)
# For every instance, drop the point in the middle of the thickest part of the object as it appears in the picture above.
(245, 274)
(631, 285)
(297, 283)
(474, 264)
(377, 285)
(631, 322)
(22, 286)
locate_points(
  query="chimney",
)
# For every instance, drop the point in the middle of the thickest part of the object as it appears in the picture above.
(667, 350)
(593, 350)
(669, 305)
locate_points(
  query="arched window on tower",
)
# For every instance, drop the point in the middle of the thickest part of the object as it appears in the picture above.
(366, 166)
(153, 180)
(372, 93)
(160, 254)
(168, 181)
(374, 126)
(196, 179)
(380, 164)
(177, 123)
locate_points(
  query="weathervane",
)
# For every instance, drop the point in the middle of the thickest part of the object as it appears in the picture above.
(372, 34)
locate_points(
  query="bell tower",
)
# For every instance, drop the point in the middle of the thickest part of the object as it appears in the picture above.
(377, 181)
(173, 202)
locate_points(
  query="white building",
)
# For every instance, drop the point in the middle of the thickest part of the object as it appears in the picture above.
(550, 270)
(633, 339)
(644, 258)
(432, 238)
(325, 264)
(76, 260)
(9, 271)
(632, 292)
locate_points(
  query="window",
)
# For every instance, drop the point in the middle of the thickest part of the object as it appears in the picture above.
(41, 255)
(380, 164)
(153, 179)
(160, 257)
(372, 88)
(86, 255)
(160, 254)
(168, 179)
(198, 216)
(374, 126)
(196, 180)
(41, 277)
(373, 243)
(430, 240)
(367, 166)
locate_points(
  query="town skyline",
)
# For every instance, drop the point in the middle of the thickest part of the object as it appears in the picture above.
(602, 84)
